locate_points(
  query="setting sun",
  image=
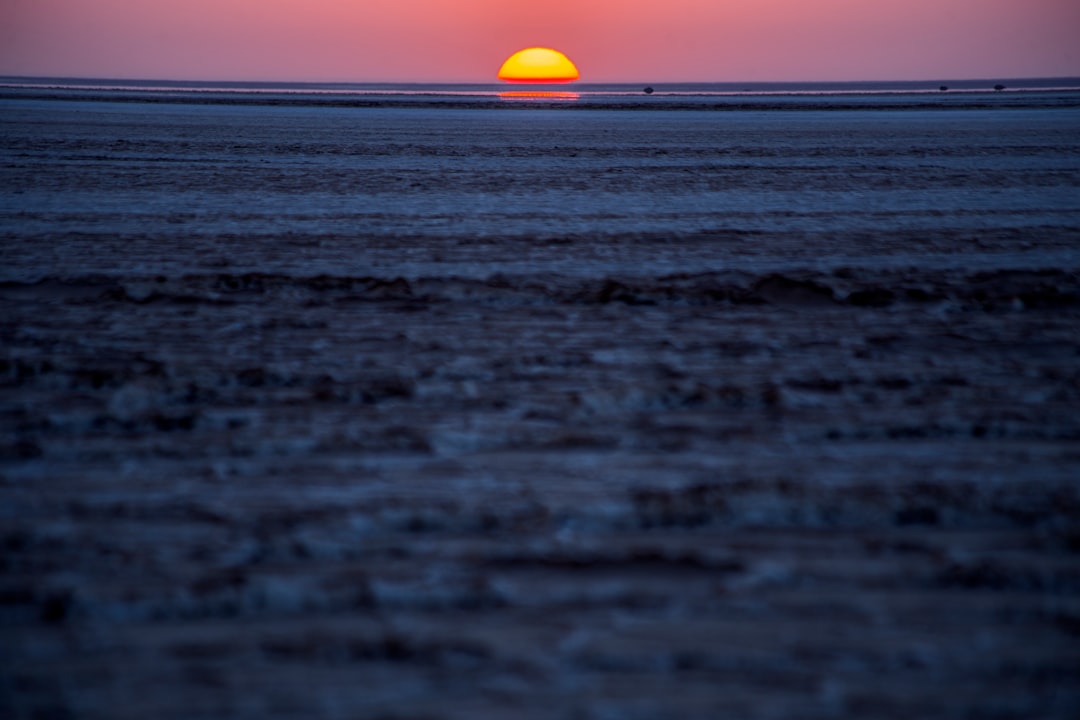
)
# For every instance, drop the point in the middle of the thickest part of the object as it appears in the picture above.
(538, 65)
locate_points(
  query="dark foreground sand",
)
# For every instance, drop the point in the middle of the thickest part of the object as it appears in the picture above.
(807, 490)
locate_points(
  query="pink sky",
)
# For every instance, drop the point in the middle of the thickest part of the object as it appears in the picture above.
(609, 40)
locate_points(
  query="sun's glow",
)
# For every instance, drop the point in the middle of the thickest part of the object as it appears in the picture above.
(538, 65)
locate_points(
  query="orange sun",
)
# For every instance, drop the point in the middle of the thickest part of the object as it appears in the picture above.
(538, 65)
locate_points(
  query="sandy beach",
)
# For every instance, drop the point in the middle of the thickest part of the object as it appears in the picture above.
(391, 411)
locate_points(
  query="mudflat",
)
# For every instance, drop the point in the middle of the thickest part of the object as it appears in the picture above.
(464, 412)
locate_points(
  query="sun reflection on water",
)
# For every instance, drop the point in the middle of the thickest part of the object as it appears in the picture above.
(538, 95)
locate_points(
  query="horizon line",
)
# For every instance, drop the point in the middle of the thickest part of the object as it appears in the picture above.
(501, 83)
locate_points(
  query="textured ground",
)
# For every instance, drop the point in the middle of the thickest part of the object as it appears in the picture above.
(771, 463)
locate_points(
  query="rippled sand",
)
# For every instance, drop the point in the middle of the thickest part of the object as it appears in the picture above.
(469, 412)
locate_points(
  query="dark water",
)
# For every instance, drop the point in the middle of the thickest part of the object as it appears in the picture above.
(352, 404)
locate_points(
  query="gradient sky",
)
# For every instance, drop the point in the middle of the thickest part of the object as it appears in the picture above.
(609, 40)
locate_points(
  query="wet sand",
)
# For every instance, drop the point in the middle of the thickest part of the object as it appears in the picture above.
(297, 429)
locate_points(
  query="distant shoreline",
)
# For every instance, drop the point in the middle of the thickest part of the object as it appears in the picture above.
(1032, 93)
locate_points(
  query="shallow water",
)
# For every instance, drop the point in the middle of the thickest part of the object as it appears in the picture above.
(535, 410)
